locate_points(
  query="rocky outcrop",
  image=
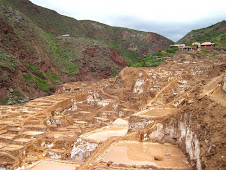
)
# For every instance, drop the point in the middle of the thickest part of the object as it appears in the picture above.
(224, 81)
(95, 51)
(117, 58)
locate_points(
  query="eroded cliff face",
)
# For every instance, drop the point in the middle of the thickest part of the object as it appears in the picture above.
(144, 42)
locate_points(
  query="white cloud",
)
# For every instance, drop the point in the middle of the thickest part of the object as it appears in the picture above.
(151, 11)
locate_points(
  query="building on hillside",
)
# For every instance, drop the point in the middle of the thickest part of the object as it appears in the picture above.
(66, 35)
(207, 45)
(178, 45)
(189, 48)
(196, 44)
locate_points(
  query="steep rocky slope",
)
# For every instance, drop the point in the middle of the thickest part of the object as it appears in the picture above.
(215, 33)
(35, 57)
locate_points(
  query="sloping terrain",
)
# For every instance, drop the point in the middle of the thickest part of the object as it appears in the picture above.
(50, 21)
(215, 33)
(35, 57)
(172, 109)
(33, 62)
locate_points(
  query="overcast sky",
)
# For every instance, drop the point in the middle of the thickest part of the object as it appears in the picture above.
(170, 18)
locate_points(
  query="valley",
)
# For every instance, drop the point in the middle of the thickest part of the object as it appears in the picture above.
(79, 94)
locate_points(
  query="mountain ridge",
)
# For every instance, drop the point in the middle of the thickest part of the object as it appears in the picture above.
(215, 33)
(83, 28)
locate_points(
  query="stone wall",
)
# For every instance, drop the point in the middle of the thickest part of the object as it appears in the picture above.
(137, 123)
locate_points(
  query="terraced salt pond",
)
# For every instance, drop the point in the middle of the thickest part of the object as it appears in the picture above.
(118, 128)
(152, 154)
(54, 165)
(104, 133)
(158, 112)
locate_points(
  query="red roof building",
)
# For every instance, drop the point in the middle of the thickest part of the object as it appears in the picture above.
(208, 44)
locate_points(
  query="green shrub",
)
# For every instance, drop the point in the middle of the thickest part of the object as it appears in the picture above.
(5, 79)
(172, 49)
(62, 56)
(54, 77)
(8, 61)
(189, 43)
(4, 101)
(150, 61)
(158, 53)
(2, 2)
(214, 54)
(16, 96)
(204, 50)
(36, 70)
(114, 72)
(42, 84)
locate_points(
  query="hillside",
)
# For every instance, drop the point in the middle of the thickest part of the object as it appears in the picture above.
(215, 33)
(52, 22)
(35, 57)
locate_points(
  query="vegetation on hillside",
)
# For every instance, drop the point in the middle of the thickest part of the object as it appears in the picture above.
(62, 56)
(48, 20)
(215, 33)
(56, 25)
(42, 84)
(54, 77)
(7, 61)
(2, 2)
(154, 59)
(130, 56)
(36, 70)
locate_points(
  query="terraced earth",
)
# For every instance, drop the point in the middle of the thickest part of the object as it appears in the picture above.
(169, 117)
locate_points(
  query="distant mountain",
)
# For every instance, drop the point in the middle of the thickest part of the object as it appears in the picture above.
(215, 33)
(40, 49)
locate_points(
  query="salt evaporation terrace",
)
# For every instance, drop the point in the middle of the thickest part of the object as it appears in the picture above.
(79, 122)
(152, 155)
